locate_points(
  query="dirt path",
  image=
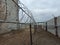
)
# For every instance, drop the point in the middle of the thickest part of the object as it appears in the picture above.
(45, 38)
(23, 38)
(17, 38)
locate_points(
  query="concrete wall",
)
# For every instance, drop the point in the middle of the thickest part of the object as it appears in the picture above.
(12, 12)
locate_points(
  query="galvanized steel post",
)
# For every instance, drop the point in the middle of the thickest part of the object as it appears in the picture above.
(55, 20)
(30, 35)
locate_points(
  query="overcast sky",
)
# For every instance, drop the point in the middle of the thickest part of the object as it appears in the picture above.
(43, 9)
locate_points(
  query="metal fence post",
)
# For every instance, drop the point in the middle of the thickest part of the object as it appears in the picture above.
(46, 27)
(55, 20)
(30, 35)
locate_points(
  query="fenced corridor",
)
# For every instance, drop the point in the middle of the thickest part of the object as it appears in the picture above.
(19, 27)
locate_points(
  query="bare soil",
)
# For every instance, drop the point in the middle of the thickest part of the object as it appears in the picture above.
(23, 38)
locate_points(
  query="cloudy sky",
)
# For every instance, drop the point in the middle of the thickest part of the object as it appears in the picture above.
(43, 9)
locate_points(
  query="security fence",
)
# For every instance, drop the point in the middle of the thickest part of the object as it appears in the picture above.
(18, 18)
(53, 26)
(29, 30)
(15, 12)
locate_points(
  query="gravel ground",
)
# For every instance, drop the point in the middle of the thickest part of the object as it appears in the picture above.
(23, 38)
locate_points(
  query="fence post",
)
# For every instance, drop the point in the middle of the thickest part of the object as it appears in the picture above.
(55, 20)
(46, 27)
(30, 35)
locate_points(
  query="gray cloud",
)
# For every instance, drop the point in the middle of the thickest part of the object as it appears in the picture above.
(43, 8)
